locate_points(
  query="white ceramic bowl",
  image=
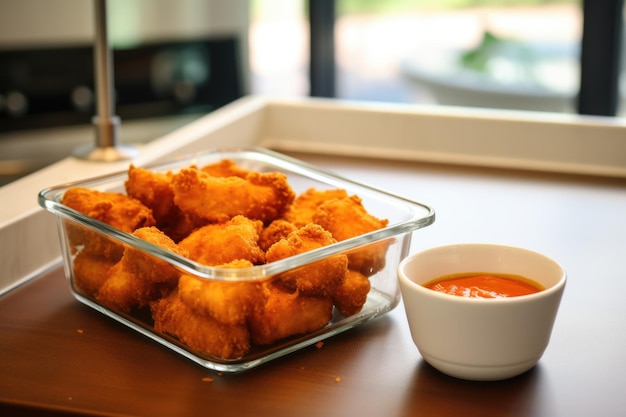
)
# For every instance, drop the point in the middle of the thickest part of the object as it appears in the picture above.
(474, 338)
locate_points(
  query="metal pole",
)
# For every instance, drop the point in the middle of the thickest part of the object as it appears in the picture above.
(106, 122)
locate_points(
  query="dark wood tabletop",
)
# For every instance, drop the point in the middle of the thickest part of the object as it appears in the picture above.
(60, 357)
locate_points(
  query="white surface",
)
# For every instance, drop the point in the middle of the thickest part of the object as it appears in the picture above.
(534, 141)
(456, 135)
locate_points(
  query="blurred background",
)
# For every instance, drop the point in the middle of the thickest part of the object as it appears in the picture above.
(177, 60)
(504, 54)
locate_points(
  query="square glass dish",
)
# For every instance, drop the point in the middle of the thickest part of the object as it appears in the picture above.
(97, 254)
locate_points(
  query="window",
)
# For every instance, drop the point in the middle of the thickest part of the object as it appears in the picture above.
(520, 54)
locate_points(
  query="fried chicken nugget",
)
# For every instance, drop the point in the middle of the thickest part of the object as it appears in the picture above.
(351, 295)
(90, 272)
(259, 196)
(319, 278)
(225, 168)
(199, 332)
(346, 218)
(301, 211)
(115, 209)
(229, 302)
(139, 278)
(147, 267)
(275, 231)
(154, 190)
(287, 314)
(220, 243)
(122, 290)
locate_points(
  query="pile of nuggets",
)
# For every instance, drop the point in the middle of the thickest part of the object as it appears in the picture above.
(225, 216)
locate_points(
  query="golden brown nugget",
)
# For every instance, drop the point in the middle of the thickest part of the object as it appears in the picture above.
(347, 218)
(221, 243)
(85, 240)
(150, 268)
(301, 211)
(154, 190)
(90, 272)
(115, 209)
(139, 278)
(287, 314)
(319, 278)
(351, 295)
(123, 291)
(229, 302)
(199, 332)
(216, 199)
(275, 231)
(225, 168)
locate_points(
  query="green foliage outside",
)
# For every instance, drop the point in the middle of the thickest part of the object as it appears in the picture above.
(398, 6)
(266, 8)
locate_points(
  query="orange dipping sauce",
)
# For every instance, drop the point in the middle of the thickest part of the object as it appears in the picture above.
(484, 285)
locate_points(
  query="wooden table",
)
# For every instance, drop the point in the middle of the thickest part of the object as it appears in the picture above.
(59, 357)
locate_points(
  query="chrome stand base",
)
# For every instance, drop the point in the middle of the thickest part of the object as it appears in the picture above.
(106, 153)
